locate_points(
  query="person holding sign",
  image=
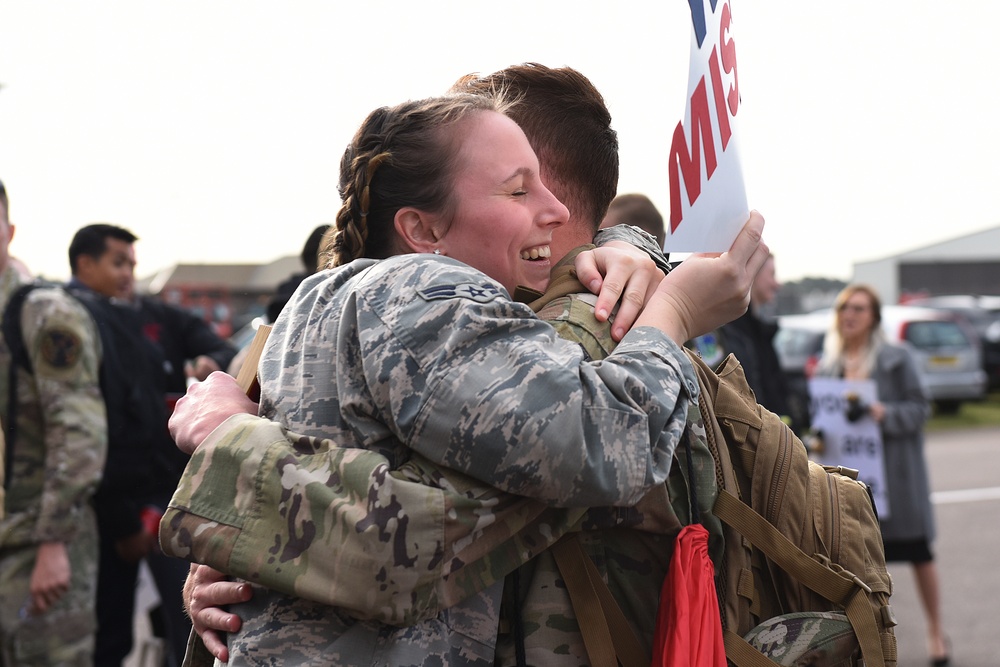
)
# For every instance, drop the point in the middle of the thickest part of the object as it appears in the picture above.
(435, 281)
(856, 349)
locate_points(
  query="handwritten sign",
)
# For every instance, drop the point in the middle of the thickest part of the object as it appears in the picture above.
(852, 444)
(707, 213)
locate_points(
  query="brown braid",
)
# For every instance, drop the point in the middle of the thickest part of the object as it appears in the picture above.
(352, 220)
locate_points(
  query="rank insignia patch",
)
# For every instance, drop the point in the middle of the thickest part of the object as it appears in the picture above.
(478, 293)
(60, 348)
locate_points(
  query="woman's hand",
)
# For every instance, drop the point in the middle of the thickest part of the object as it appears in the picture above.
(206, 405)
(708, 290)
(618, 273)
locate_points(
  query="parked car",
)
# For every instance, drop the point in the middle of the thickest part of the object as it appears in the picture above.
(946, 352)
(983, 313)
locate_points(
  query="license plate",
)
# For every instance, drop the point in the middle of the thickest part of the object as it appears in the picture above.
(942, 362)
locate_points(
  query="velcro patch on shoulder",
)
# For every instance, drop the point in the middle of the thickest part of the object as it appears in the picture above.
(60, 348)
(478, 293)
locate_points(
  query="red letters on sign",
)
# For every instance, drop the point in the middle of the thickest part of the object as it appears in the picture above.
(685, 159)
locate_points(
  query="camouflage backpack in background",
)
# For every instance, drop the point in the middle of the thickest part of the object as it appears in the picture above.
(803, 574)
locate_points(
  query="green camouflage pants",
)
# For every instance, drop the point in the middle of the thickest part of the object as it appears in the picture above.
(64, 635)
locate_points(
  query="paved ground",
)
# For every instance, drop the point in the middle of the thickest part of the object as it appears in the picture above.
(146, 650)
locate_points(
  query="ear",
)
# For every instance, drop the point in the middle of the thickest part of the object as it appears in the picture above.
(417, 229)
(84, 265)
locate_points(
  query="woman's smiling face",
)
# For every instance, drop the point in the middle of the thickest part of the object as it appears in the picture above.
(503, 215)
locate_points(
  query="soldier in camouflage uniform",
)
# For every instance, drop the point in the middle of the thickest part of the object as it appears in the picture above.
(48, 539)
(393, 610)
(473, 553)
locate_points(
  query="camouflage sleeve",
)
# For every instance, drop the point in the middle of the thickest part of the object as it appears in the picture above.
(510, 403)
(307, 518)
(310, 519)
(64, 346)
(638, 237)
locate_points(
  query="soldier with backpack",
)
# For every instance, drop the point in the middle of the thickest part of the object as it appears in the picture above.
(565, 119)
(632, 562)
(56, 434)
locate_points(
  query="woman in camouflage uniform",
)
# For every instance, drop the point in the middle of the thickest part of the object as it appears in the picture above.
(421, 357)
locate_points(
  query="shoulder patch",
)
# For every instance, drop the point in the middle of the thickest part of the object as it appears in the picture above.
(60, 348)
(479, 293)
(709, 349)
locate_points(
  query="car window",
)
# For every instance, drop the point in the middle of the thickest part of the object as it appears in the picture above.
(934, 335)
(798, 342)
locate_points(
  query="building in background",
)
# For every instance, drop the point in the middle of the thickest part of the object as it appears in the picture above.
(227, 296)
(967, 264)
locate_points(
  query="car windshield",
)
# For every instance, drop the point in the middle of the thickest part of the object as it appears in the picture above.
(935, 335)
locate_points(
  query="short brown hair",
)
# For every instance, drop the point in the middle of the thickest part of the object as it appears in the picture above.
(567, 124)
(638, 210)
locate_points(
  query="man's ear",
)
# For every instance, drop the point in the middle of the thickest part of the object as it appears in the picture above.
(84, 265)
(417, 229)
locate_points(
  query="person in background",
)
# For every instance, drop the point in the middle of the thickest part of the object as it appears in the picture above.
(143, 464)
(310, 263)
(751, 339)
(56, 446)
(185, 346)
(855, 348)
(637, 210)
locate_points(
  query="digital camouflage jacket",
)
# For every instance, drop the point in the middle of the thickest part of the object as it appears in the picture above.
(324, 522)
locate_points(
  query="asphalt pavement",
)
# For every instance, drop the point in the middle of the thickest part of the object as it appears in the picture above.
(965, 481)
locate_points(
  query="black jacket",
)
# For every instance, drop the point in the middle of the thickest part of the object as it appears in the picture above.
(752, 341)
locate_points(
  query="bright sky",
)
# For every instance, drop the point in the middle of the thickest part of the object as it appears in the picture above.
(214, 129)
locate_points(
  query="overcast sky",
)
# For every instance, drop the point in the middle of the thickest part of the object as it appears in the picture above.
(213, 129)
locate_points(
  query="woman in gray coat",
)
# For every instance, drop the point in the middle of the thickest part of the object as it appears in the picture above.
(855, 349)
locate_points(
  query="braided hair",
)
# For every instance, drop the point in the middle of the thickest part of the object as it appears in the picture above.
(400, 156)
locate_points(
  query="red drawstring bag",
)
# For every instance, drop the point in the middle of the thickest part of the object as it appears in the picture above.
(688, 625)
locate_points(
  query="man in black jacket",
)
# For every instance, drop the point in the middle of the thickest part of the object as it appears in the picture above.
(157, 340)
(751, 339)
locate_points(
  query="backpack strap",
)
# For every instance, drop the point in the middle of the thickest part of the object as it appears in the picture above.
(606, 633)
(849, 593)
(741, 653)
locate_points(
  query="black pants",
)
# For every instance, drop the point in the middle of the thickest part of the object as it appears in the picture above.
(116, 591)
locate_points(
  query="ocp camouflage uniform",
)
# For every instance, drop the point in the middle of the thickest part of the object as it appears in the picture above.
(526, 403)
(824, 639)
(57, 462)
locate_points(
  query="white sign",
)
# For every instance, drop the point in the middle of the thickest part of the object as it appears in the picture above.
(852, 444)
(708, 201)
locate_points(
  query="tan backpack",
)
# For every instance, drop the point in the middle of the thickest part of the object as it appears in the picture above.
(802, 579)
(799, 537)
